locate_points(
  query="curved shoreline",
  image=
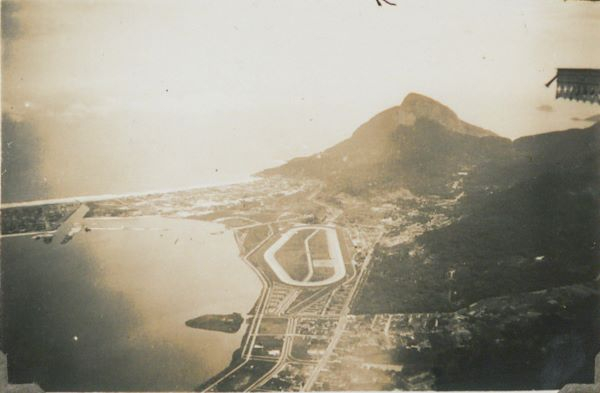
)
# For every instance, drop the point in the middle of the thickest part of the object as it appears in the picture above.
(239, 358)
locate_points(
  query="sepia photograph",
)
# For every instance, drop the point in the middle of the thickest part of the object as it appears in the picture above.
(315, 195)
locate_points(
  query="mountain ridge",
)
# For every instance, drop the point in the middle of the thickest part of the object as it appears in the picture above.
(421, 143)
(416, 106)
(418, 143)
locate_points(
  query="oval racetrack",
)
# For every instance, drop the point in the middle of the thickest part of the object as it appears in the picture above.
(335, 254)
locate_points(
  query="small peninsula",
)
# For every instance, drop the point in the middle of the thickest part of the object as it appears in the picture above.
(227, 323)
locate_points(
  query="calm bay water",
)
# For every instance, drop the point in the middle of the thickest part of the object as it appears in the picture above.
(106, 311)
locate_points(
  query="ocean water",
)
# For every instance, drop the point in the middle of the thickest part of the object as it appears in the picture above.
(107, 310)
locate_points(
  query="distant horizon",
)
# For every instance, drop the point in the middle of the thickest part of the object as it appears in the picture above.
(107, 196)
(99, 97)
(244, 179)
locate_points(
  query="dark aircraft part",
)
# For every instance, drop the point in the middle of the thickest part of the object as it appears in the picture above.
(579, 84)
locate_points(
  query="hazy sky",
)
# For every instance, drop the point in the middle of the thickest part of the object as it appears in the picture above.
(116, 96)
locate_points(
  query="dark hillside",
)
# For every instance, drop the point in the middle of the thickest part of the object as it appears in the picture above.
(539, 229)
(504, 236)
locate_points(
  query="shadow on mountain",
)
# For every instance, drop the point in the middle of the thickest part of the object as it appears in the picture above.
(515, 270)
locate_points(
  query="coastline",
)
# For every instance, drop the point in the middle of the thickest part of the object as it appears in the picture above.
(103, 197)
(237, 358)
(229, 346)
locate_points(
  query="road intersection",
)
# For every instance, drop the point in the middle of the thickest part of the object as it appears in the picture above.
(329, 302)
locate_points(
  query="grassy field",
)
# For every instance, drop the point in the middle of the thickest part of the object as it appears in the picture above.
(301, 345)
(257, 258)
(273, 326)
(300, 348)
(264, 344)
(292, 255)
(321, 273)
(347, 248)
(318, 246)
(306, 293)
(265, 216)
(236, 222)
(254, 236)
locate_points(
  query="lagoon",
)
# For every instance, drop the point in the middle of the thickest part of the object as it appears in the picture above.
(107, 310)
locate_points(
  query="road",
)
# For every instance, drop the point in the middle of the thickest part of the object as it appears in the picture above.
(341, 325)
(285, 352)
(309, 256)
(261, 304)
(335, 254)
(297, 312)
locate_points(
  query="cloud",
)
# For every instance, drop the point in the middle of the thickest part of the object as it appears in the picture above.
(545, 108)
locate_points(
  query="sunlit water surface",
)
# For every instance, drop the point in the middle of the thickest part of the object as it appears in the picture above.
(107, 310)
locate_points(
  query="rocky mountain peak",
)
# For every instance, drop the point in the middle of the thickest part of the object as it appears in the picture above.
(416, 106)
(422, 106)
